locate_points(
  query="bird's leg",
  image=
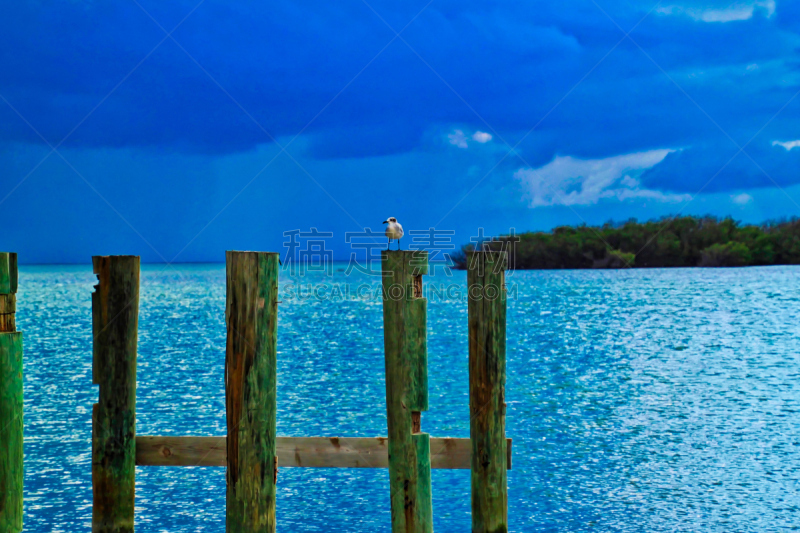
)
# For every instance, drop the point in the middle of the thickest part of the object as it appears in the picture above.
(388, 246)
(398, 244)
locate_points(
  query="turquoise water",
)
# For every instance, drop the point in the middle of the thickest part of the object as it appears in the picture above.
(646, 400)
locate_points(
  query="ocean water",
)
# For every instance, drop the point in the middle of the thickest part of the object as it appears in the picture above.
(644, 400)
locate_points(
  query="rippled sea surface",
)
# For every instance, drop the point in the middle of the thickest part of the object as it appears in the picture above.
(647, 400)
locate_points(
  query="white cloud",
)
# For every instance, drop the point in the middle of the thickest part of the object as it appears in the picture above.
(457, 138)
(481, 137)
(741, 199)
(729, 13)
(572, 181)
(787, 144)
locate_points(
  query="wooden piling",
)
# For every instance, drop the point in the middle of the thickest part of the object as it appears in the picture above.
(487, 377)
(251, 315)
(115, 320)
(11, 466)
(405, 345)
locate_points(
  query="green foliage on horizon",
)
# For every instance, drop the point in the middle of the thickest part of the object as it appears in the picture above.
(669, 242)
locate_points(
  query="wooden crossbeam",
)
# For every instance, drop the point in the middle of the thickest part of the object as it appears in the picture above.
(313, 452)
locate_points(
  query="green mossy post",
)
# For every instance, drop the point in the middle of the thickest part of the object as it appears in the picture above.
(115, 322)
(487, 378)
(11, 465)
(251, 315)
(405, 345)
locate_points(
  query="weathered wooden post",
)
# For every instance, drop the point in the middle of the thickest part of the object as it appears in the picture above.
(405, 345)
(251, 314)
(115, 321)
(10, 400)
(487, 379)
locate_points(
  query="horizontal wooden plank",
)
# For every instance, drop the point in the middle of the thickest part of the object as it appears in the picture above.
(181, 451)
(313, 452)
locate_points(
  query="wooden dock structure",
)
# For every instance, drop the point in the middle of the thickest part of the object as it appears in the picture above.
(252, 452)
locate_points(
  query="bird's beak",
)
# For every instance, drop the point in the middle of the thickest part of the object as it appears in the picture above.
(384, 222)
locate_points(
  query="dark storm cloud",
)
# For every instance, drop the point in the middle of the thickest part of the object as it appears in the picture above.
(285, 62)
(721, 167)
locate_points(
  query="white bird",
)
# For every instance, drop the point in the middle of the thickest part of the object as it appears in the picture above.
(393, 231)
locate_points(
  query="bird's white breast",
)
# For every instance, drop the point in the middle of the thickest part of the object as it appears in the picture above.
(394, 230)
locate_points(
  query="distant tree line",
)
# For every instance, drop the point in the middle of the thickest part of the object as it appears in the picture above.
(669, 242)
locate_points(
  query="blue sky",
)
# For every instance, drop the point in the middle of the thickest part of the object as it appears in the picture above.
(179, 130)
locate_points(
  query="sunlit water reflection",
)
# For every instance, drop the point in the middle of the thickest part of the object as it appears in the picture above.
(647, 400)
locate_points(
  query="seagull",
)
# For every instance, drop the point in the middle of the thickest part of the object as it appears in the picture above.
(393, 231)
